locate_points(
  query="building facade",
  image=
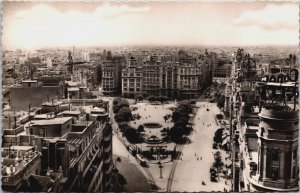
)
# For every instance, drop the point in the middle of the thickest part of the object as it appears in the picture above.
(60, 147)
(111, 74)
(264, 130)
(132, 79)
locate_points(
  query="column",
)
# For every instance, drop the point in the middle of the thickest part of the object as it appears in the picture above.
(281, 164)
(264, 163)
(291, 165)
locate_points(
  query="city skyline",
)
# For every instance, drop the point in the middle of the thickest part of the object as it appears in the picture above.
(152, 23)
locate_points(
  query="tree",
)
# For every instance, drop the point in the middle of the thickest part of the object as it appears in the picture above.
(140, 97)
(132, 135)
(219, 116)
(218, 136)
(140, 128)
(221, 101)
(118, 181)
(151, 98)
(180, 118)
(124, 114)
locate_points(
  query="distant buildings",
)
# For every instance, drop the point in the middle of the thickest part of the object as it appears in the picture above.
(221, 73)
(184, 78)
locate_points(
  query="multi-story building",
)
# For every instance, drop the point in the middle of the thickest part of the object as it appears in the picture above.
(264, 130)
(221, 73)
(169, 77)
(132, 79)
(85, 73)
(111, 74)
(183, 76)
(151, 77)
(59, 148)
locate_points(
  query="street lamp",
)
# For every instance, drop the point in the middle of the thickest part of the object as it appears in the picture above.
(160, 168)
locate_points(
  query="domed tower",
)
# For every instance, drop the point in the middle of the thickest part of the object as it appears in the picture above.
(278, 168)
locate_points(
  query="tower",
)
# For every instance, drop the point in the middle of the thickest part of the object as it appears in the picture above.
(278, 168)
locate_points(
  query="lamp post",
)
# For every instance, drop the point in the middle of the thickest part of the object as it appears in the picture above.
(160, 169)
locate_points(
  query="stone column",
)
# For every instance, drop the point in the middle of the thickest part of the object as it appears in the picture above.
(264, 162)
(291, 165)
(281, 164)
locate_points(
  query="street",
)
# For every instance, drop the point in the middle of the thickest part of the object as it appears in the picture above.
(193, 169)
(128, 166)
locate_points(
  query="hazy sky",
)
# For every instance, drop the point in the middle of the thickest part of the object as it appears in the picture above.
(34, 25)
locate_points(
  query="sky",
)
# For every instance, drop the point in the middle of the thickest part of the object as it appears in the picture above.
(28, 25)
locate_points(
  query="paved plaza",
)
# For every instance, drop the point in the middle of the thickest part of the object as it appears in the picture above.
(195, 162)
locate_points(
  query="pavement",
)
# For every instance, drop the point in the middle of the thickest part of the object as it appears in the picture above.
(128, 166)
(137, 180)
(193, 169)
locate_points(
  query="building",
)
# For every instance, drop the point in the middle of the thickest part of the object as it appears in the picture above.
(221, 73)
(111, 74)
(85, 73)
(60, 147)
(151, 77)
(173, 76)
(169, 79)
(264, 130)
(132, 79)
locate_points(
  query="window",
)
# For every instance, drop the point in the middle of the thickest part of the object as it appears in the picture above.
(274, 174)
(295, 154)
(262, 131)
(295, 172)
(275, 156)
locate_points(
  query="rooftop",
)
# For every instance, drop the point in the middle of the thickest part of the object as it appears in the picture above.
(54, 121)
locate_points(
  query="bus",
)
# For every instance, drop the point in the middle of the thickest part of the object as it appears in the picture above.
(141, 160)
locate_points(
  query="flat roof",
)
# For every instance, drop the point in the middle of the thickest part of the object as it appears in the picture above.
(18, 147)
(43, 116)
(29, 81)
(55, 121)
(73, 89)
(71, 112)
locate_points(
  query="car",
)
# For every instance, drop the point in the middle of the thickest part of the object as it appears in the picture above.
(212, 100)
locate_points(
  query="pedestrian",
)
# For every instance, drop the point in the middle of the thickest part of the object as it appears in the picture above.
(201, 158)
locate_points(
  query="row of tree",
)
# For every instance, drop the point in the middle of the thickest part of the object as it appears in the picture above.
(158, 98)
(181, 119)
(122, 116)
(121, 110)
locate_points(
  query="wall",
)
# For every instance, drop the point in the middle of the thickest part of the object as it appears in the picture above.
(20, 98)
